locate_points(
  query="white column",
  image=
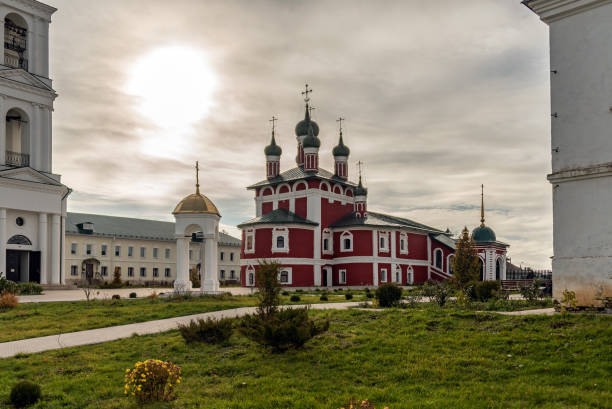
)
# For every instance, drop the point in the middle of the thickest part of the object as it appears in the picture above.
(375, 254)
(43, 234)
(63, 251)
(35, 138)
(211, 281)
(3, 127)
(55, 248)
(182, 282)
(46, 140)
(3, 240)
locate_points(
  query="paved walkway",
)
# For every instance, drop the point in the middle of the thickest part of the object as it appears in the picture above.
(78, 295)
(97, 336)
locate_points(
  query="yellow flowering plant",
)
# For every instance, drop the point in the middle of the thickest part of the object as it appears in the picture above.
(152, 380)
(364, 404)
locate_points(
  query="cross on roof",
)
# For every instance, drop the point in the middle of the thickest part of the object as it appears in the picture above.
(310, 109)
(306, 92)
(273, 120)
(339, 120)
(359, 165)
(197, 166)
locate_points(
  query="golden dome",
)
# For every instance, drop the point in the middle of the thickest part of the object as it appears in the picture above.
(196, 203)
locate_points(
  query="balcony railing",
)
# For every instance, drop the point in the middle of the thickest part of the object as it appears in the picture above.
(17, 159)
(15, 62)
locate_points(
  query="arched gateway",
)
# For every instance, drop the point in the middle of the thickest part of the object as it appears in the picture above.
(196, 214)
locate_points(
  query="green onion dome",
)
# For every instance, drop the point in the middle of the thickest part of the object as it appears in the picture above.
(311, 141)
(360, 190)
(301, 128)
(483, 234)
(341, 149)
(273, 149)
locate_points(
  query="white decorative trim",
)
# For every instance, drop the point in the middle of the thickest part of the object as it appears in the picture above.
(435, 259)
(340, 280)
(344, 236)
(403, 243)
(249, 270)
(278, 232)
(448, 263)
(327, 235)
(338, 260)
(383, 238)
(289, 272)
(249, 233)
(383, 275)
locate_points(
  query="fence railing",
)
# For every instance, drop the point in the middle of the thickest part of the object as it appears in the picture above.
(528, 274)
(15, 62)
(17, 159)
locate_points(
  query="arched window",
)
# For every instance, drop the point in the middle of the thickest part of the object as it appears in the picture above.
(410, 275)
(327, 242)
(15, 41)
(450, 260)
(250, 272)
(346, 240)
(19, 239)
(280, 242)
(284, 277)
(482, 272)
(17, 138)
(438, 258)
(498, 269)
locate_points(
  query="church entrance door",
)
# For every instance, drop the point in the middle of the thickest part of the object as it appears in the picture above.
(324, 277)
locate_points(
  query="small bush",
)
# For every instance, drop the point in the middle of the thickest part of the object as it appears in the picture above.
(294, 298)
(531, 292)
(30, 289)
(133, 295)
(388, 295)
(370, 295)
(24, 394)
(8, 286)
(194, 277)
(116, 297)
(484, 290)
(7, 301)
(356, 404)
(285, 293)
(152, 380)
(439, 292)
(324, 297)
(209, 331)
(367, 290)
(289, 328)
(348, 296)
(299, 291)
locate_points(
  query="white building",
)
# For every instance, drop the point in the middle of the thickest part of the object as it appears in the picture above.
(32, 197)
(581, 178)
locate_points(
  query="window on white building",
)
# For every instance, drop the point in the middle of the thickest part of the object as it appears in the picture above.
(438, 258)
(223, 274)
(249, 237)
(130, 271)
(231, 256)
(346, 240)
(73, 248)
(88, 249)
(342, 276)
(285, 276)
(103, 250)
(143, 252)
(155, 272)
(403, 243)
(280, 240)
(383, 275)
(155, 251)
(327, 242)
(104, 271)
(222, 256)
(232, 275)
(167, 272)
(190, 254)
(74, 270)
(130, 251)
(117, 251)
(143, 271)
(167, 255)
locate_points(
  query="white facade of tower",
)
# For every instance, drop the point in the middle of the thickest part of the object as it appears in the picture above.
(581, 178)
(32, 197)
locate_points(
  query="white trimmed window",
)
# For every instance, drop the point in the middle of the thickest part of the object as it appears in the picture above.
(250, 276)
(403, 243)
(438, 255)
(327, 245)
(104, 270)
(346, 241)
(73, 248)
(155, 272)
(280, 240)
(383, 275)
(249, 238)
(410, 275)
(74, 270)
(130, 271)
(383, 241)
(167, 272)
(284, 276)
(103, 250)
(222, 274)
(167, 253)
(449, 263)
(397, 278)
(342, 276)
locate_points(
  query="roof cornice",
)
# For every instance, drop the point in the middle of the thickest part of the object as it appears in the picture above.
(27, 87)
(553, 10)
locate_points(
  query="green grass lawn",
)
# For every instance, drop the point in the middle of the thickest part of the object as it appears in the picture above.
(425, 357)
(30, 320)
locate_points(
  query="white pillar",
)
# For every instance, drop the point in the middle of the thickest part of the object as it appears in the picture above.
(63, 251)
(2, 113)
(35, 150)
(3, 240)
(375, 254)
(43, 234)
(211, 281)
(182, 282)
(55, 248)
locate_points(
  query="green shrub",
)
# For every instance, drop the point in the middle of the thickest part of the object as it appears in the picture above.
(285, 293)
(348, 296)
(484, 290)
(388, 295)
(289, 328)
(370, 295)
(324, 297)
(209, 331)
(116, 297)
(439, 292)
(266, 278)
(24, 394)
(294, 298)
(531, 292)
(132, 295)
(8, 286)
(299, 291)
(30, 289)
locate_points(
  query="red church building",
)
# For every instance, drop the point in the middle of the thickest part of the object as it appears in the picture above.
(316, 224)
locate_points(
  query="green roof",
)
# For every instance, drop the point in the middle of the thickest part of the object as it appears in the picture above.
(382, 220)
(278, 216)
(483, 234)
(131, 228)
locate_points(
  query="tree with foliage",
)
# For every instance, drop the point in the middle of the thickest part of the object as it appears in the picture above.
(117, 282)
(466, 268)
(269, 288)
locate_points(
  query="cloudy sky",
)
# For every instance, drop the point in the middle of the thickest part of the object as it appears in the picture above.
(439, 96)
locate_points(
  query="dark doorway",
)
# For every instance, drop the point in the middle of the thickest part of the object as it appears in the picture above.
(13, 265)
(34, 266)
(89, 271)
(324, 277)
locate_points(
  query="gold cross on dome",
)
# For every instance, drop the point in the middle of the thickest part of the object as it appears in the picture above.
(197, 166)
(273, 120)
